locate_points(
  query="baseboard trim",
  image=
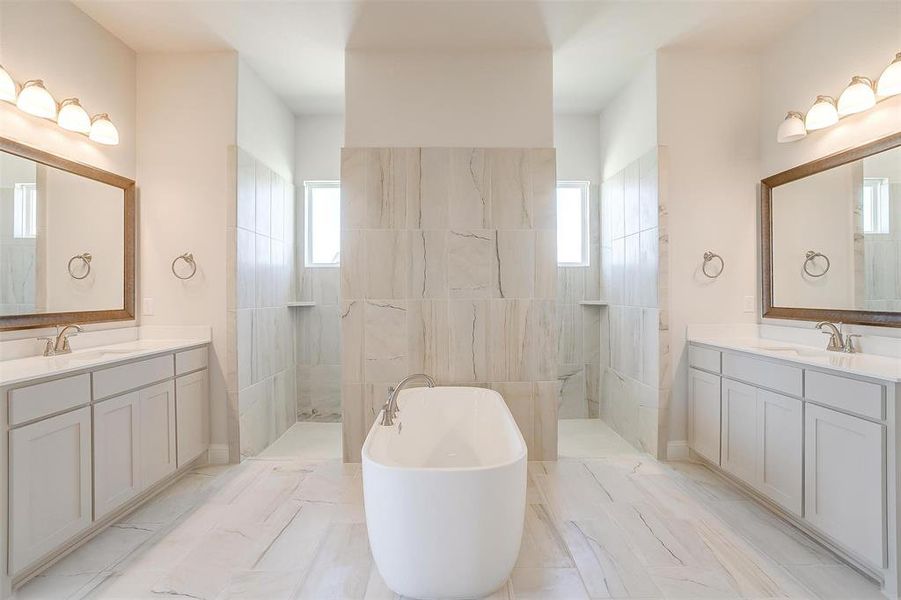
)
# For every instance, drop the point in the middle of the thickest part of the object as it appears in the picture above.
(218, 454)
(677, 450)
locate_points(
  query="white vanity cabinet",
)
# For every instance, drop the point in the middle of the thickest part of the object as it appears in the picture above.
(845, 466)
(813, 442)
(49, 485)
(86, 447)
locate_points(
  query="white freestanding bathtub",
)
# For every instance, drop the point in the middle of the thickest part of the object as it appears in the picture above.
(445, 493)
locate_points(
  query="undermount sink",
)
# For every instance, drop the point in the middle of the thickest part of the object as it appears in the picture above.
(795, 351)
(100, 354)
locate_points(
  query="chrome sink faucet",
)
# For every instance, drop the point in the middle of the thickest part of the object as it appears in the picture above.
(389, 411)
(837, 342)
(59, 344)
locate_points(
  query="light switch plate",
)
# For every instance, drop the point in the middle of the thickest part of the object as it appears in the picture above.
(147, 307)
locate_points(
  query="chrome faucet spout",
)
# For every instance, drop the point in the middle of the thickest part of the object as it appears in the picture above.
(836, 340)
(61, 345)
(389, 411)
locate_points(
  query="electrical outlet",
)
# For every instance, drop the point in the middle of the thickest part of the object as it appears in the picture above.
(147, 309)
(749, 304)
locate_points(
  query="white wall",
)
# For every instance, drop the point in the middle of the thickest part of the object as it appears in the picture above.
(818, 56)
(74, 56)
(186, 128)
(458, 99)
(318, 148)
(708, 104)
(628, 123)
(265, 125)
(578, 147)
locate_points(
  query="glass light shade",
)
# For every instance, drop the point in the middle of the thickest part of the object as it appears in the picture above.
(36, 100)
(792, 128)
(73, 117)
(822, 114)
(889, 82)
(857, 97)
(103, 131)
(7, 86)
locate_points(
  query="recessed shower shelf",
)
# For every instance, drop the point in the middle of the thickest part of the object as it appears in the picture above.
(593, 303)
(300, 304)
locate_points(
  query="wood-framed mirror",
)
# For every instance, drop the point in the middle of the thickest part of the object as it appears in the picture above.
(67, 241)
(830, 235)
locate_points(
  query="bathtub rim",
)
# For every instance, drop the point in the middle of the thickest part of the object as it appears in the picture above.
(520, 456)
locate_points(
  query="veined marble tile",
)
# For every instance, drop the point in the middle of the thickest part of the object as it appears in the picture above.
(428, 334)
(263, 271)
(246, 191)
(296, 545)
(353, 421)
(632, 271)
(593, 389)
(253, 585)
(570, 285)
(325, 392)
(647, 268)
(428, 264)
(542, 545)
(631, 198)
(399, 174)
(544, 395)
(245, 284)
(387, 257)
(355, 188)
(648, 429)
(352, 357)
(341, 566)
(614, 205)
(512, 354)
(569, 334)
(543, 172)
(263, 199)
(591, 332)
(616, 289)
(468, 357)
(385, 340)
(514, 264)
(429, 210)
(572, 403)
(469, 194)
(650, 351)
(543, 338)
(354, 264)
(647, 190)
(469, 260)
(277, 213)
(245, 341)
(545, 264)
(541, 584)
(518, 397)
(326, 282)
(511, 190)
(320, 336)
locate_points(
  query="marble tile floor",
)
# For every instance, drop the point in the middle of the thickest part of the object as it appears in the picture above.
(621, 526)
(307, 440)
(589, 438)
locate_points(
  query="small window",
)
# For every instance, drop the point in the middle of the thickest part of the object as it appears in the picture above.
(876, 216)
(25, 210)
(322, 201)
(572, 223)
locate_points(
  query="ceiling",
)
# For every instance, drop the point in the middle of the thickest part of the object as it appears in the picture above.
(297, 46)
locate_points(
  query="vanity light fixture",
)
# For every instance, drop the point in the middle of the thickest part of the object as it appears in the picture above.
(792, 128)
(889, 82)
(8, 88)
(822, 114)
(103, 131)
(36, 100)
(73, 116)
(857, 97)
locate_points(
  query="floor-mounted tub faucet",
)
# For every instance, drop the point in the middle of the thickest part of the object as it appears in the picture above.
(389, 411)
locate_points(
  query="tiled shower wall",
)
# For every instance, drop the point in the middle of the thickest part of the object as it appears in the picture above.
(448, 267)
(579, 335)
(261, 378)
(635, 388)
(317, 340)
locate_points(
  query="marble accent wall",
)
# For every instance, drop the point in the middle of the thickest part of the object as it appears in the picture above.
(579, 328)
(261, 374)
(448, 267)
(635, 388)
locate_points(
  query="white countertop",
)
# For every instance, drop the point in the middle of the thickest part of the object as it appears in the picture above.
(868, 365)
(21, 370)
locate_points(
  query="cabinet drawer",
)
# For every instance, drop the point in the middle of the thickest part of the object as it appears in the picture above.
(191, 360)
(116, 380)
(850, 395)
(704, 358)
(36, 401)
(772, 375)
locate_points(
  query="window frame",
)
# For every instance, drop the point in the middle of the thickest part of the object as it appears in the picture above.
(308, 187)
(585, 187)
(881, 207)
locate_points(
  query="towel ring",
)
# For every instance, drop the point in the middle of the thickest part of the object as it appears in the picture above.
(810, 257)
(188, 257)
(85, 258)
(710, 257)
